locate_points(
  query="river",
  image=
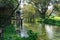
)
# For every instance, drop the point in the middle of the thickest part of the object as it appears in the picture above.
(46, 32)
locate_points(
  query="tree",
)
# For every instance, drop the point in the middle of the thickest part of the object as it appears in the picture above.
(7, 9)
(57, 9)
(42, 7)
(28, 12)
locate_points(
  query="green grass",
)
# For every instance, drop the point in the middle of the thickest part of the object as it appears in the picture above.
(53, 21)
(55, 18)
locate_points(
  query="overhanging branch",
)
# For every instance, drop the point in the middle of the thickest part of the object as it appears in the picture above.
(51, 13)
(7, 20)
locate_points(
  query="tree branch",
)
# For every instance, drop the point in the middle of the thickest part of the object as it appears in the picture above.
(51, 13)
(7, 20)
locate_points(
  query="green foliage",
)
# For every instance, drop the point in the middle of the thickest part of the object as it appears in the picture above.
(52, 22)
(9, 29)
(7, 8)
(10, 34)
(6, 3)
(32, 35)
(49, 21)
(57, 7)
(41, 6)
(28, 10)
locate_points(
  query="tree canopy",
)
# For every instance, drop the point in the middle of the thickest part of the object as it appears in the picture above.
(8, 3)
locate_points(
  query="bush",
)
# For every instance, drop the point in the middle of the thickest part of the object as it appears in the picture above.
(10, 34)
(32, 35)
(52, 22)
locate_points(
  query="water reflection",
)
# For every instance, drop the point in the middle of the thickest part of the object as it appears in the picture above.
(24, 33)
(40, 29)
(49, 32)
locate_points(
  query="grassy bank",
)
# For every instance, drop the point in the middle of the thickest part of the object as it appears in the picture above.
(53, 21)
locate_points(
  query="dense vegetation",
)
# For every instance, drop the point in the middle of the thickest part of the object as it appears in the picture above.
(10, 34)
(8, 3)
(52, 22)
(31, 11)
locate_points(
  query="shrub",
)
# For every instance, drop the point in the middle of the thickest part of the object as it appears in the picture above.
(10, 34)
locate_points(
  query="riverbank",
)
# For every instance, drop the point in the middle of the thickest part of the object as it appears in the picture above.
(53, 21)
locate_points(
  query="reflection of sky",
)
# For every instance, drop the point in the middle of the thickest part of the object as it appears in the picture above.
(49, 30)
(24, 33)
